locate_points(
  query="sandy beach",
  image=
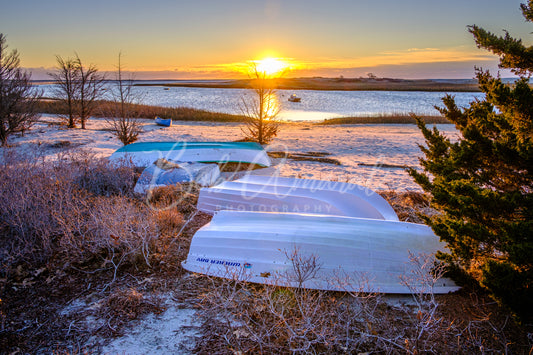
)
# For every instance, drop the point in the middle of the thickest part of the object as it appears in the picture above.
(370, 155)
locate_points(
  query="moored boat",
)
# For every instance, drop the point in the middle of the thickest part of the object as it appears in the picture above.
(143, 154)
(294, 98)
(349, 254)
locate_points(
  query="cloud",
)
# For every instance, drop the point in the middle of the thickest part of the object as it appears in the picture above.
(422, 49)
(434, 70)
(412, 63)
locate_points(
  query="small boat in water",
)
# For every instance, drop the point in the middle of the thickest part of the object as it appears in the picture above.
(294, 98)
(280, 194)
(143, 154)
(349, 254)
(167, 122)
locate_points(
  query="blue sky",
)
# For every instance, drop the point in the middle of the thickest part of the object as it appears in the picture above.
(209, 39)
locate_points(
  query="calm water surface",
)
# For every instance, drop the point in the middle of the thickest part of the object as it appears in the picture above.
(315, 105)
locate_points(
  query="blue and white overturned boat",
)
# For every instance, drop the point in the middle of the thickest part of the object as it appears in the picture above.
(280, 194)
(143, 154)
(166, 122)
(349, 254)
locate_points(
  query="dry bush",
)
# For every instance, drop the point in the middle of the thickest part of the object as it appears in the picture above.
(182, 197)
(244, 317)
(118, 231)
(169, 222)
(241, 317)
(409, 206)
(61, 211)
(102, 177)
(127, 304)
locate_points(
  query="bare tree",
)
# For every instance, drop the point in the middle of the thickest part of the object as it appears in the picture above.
(90, 88)
(66, 89)
(121, 114)
(262, 109)
(78, 87)
(17, 96)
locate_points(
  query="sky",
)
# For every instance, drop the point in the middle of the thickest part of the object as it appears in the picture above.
(216, 39)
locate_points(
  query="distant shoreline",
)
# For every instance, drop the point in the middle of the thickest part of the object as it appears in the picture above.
(321, 84)
(329, 84)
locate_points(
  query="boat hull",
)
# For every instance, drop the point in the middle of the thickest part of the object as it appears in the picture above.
(353, 254)
(294, 195)
(166, 122)
(355, 200)
(145, 153)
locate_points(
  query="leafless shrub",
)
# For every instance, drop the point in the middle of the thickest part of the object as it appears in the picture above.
(260, 110)
(271, 319)
(28, 192)
(61, 208)
(121, 115)
(101, 176)
(118, 230)
(303, 267)
(241, 317)
(426, 323)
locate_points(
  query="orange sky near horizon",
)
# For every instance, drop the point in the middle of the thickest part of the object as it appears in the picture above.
(209, 39)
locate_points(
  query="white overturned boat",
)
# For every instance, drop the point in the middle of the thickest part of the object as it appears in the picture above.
(353, 254)
(145, 153)
(279, 194)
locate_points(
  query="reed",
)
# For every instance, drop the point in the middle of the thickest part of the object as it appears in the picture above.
(384, 118)
(51, 106)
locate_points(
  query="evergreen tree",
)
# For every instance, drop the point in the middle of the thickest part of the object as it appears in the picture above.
(483, 183)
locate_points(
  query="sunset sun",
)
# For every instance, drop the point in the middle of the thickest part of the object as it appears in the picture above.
(270, 66)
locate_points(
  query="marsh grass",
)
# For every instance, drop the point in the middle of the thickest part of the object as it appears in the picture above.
(384, 118)
(146, 111)
(190, 114)
(320, 157)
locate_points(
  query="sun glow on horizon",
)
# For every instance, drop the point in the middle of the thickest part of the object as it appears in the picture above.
(271, 66)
